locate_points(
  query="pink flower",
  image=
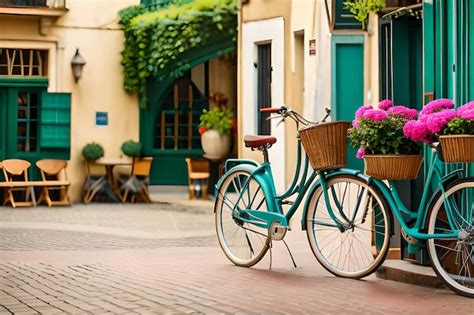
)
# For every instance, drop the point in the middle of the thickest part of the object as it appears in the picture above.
(375, 115)
(360, 153)
(405, 112)
(360, 112)
(355, 123)
(467, 114)
(417, 131)
(385, 104)
(466, 107)
(436, 106)
(437, 121)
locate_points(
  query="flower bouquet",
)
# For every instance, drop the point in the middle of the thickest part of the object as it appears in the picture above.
(378, 133)
(452, 128)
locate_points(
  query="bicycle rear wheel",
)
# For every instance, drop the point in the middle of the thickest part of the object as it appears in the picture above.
(358, 248)
(244, 244)
(453, 259)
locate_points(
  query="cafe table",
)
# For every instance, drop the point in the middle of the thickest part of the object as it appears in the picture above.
(109, 164)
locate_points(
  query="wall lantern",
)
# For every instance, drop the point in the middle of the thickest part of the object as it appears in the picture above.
(77, 63)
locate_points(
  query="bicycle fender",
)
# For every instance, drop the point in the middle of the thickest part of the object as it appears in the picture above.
(261, 176)
(230, 163)
(342, 171)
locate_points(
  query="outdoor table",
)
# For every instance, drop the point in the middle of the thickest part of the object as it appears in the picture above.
(109, 164)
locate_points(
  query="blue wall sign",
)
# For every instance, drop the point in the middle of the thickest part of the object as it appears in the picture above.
(101, 118)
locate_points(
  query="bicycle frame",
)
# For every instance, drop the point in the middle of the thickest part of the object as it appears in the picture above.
(391, 195)
(263, 175)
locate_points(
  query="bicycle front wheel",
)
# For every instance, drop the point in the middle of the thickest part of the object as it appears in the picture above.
(358, 246)
(244, 244)
(453, 258)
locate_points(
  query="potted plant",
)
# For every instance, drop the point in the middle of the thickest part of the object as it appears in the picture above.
(92, 151)
(215, 128)
(132, 149)
(452, 128)
(378, 133)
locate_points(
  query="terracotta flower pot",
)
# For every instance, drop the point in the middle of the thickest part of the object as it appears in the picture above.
(215, 145)
(393, 166)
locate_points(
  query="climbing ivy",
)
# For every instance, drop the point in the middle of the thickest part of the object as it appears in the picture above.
(156, 39)
(362, 8)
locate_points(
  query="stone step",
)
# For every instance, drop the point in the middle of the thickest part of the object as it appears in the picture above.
(407, 272)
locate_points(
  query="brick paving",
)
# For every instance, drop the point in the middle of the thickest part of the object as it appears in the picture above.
(23, 239)
(44, 271)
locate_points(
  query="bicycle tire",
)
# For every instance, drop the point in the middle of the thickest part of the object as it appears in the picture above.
(459, 250)
(250, 242)
(377, 251)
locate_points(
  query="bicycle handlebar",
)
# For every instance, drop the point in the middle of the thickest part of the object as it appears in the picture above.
(284, 112)
(270, 110)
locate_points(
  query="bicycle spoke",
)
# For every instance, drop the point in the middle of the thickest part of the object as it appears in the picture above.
(348, 251)
(243, 243)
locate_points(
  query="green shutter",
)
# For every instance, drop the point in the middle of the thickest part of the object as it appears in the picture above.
(55, 131)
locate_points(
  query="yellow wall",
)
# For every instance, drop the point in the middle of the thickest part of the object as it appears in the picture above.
(90, 26)
(256, 11)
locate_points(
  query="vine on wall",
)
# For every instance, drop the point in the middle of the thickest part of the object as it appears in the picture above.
(155, 40)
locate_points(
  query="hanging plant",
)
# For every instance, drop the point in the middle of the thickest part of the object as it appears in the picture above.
(362, 8)
(156, 40)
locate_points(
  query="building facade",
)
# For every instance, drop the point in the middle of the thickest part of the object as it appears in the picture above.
(46, 114)
(318, 59)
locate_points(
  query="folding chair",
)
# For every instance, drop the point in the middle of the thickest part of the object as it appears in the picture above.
(137, 184)
(96, 183)
(54, 170)
(198, 170)
(16, 170)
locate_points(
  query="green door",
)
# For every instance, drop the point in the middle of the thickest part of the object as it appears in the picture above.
(34, 124)
(3, 119)
(347, 84)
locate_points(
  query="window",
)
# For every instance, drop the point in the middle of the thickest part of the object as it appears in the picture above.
(27, 123)
(264, 89)
(177, 123)
(22, 62)
(342, 17)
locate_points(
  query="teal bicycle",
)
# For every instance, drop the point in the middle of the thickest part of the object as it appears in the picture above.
(346, 215)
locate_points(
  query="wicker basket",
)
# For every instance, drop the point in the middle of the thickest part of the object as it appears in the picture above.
(457, 148)
(393, 166)
(325, 144)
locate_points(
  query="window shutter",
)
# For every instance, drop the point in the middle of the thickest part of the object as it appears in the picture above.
(55, 118)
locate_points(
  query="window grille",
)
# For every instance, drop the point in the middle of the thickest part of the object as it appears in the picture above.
(16, 62)
(27, 124)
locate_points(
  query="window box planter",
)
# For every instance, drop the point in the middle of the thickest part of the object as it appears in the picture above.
(457, 148)
(393, 166)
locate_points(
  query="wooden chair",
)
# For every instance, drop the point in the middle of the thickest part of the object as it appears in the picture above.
(137, 183)
(198, 170)
(54, 170)
(16, 170)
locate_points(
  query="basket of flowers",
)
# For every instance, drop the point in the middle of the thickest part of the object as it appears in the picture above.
(452, 128)
(387, 152)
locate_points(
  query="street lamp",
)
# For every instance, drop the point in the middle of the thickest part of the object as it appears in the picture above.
(77, 63)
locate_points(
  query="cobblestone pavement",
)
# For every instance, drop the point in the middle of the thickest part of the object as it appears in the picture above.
(93, 260)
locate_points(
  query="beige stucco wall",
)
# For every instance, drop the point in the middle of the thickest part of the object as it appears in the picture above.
(90, 26)
(257, 11)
